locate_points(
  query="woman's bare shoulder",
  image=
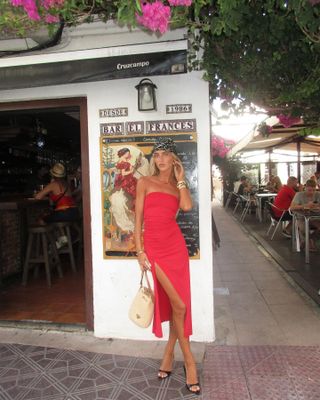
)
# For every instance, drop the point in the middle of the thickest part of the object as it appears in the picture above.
(145, 180)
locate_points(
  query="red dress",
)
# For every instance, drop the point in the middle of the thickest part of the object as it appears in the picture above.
(164, 245)
(126, 182)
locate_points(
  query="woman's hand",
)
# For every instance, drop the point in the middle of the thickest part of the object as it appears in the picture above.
(144, 263)
(178, 171)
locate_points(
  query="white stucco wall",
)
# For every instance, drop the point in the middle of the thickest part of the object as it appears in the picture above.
(115, 282)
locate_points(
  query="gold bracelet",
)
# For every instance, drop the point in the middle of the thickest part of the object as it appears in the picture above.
(140, 252)
(182, 187)
(181, 183)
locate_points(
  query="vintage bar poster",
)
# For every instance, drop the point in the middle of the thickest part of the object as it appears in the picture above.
(124, 160)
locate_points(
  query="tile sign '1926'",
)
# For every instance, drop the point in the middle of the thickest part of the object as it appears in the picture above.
(178, 108)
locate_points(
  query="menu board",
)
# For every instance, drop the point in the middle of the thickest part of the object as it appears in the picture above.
(131, 154)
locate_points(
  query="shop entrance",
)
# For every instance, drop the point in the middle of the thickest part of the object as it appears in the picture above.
(34, 136)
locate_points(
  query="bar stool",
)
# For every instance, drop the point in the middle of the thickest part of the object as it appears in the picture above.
(41, 249)
(63, 230)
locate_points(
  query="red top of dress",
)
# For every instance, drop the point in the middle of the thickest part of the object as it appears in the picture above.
(126, 182)
(283, 199)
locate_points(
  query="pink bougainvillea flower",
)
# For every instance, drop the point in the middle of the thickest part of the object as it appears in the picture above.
(30, 8)
(287, 120)
(219, 146)
(185, 3)
(155, 16)
(51, 19)
(16, 3)
(47, 4)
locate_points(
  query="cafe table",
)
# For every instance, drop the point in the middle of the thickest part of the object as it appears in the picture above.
(259, 197)
(307, 216)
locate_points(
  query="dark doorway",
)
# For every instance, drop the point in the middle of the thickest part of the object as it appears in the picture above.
(32, 134)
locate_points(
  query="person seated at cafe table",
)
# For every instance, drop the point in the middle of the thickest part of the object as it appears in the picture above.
(316, 178)
(274, 185)
(283, 201)
(244, 187)
(308, 200)
(270, 182)
(59, 192)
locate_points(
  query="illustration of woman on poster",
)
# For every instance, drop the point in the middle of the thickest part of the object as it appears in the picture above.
(123, 195)
(125, 179)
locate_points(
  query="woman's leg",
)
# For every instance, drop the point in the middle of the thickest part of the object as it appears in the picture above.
(178, 315)
(168, 355)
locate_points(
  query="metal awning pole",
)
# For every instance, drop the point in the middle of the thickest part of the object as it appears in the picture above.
(269, 164)
(299, 161)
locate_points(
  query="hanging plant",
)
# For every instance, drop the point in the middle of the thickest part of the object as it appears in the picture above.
(220, 146)
(264, 129)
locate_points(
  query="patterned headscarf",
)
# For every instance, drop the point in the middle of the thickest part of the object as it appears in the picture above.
(166, 144)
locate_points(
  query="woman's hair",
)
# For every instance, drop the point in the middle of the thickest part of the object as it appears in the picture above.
(277, 182)
(154, 171)
(123, 151)
(311, 183)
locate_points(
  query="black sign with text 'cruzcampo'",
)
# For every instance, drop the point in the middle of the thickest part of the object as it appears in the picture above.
(92, 70)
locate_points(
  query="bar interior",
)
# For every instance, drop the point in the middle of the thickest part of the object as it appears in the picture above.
(31, 142)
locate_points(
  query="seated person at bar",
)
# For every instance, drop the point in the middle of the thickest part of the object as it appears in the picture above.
(283, 201)
(59, 192)
(274, 185)
(244, 186)
(308, 200)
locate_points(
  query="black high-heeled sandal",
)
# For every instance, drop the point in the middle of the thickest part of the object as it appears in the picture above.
(162, 371)
(189, 386)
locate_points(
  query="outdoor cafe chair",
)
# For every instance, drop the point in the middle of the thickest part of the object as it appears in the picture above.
(237, 203)
(229, 197)
(248, 201)
(275, 221)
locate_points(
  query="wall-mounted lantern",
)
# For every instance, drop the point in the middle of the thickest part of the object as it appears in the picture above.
(146, 95)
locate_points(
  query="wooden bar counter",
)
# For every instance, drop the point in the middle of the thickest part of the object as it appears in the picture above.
(16, 213)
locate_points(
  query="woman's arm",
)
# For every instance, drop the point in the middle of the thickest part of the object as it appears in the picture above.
(296, 204)
(139, 214)
(142, 257)
(130, 171)
(45, 191)
(185, 196)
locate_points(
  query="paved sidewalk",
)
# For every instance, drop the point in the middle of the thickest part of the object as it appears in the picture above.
(33, 372)
(267, 329)
(262, 373)
(256, 303)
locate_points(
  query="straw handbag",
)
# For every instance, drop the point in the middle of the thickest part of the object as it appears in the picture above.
(141, 310)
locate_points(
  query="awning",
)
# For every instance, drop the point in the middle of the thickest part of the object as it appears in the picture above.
(280, 137)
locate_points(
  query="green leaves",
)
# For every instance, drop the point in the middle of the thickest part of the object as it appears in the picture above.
(127, 10)
(264, 52)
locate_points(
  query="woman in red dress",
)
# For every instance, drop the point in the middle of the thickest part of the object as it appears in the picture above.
(125, 179)
(159, 197)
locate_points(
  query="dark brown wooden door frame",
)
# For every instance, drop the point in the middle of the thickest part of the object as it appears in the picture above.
(80, 102)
